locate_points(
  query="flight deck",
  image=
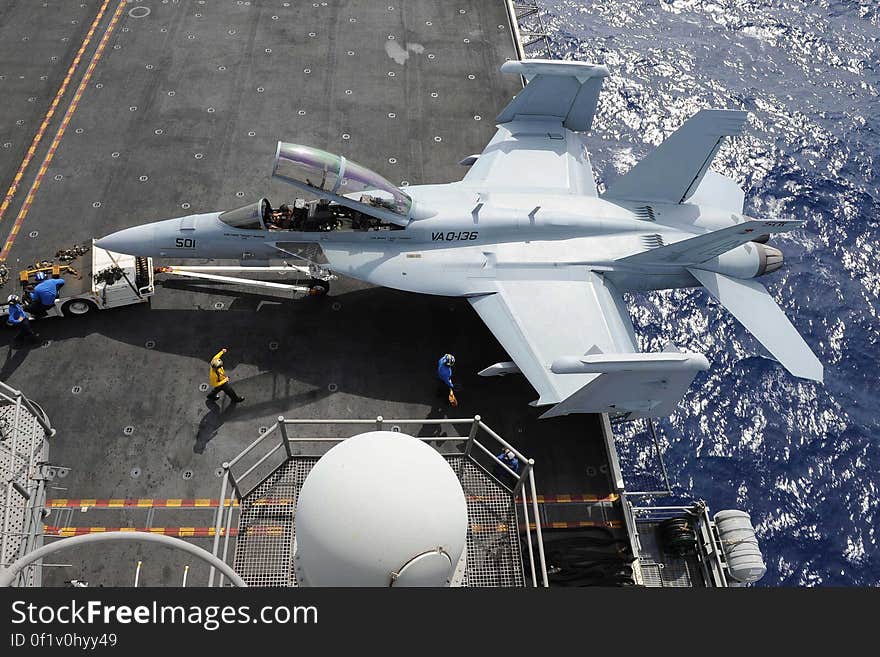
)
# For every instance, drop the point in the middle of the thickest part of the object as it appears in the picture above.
(120, 113)
(176, 107)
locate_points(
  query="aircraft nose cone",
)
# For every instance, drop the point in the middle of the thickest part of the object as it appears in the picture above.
(136, 241)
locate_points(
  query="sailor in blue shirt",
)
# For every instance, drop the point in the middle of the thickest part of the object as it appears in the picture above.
(508, 458)
(43, 296)
(18, 319)
(444, 370)
(444, 373)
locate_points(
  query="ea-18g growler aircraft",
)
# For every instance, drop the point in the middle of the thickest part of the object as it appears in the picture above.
(526, 238)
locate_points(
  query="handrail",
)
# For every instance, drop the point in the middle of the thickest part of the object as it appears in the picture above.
(13, 396)
(247, 449)
(261, 461)
(523, 478)
(466, 420)
(502, 441)
(7, 575)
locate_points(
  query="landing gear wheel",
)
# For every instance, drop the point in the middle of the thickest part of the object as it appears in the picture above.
(78, 308)
(318, 288)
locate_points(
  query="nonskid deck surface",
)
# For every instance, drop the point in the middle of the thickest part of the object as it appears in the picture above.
(180, 111)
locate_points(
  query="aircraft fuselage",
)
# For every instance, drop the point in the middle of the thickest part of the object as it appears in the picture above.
(470, 239)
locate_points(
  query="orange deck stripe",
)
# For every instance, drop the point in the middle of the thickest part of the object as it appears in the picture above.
(73, 503)
(200, 532)
(166, 531)
(65, 503)
(614, 524)
(58, 135)
(564, 499)
(51, 112)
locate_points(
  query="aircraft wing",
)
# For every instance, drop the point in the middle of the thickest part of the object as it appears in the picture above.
(536, 147)
(574, 342)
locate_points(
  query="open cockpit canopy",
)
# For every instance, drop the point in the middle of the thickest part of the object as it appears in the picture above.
(338, 179)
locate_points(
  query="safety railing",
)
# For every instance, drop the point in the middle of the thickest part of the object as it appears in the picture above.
(24, 475)
(529, 34)
(242, 475)
(14, 396)
(665, 488)
(709, 554)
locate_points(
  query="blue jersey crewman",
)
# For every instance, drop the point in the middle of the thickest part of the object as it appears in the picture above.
(44, 294)
(508, 458)
(444, 373)
(18, 319)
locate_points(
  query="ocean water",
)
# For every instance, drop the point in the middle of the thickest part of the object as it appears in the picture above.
(802, 458)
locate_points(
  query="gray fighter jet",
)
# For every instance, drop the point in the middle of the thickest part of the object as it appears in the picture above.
(526, 238)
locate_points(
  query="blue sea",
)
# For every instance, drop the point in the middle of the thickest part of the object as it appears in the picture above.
(802, 458)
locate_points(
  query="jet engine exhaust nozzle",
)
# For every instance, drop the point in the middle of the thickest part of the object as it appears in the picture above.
(771, 259)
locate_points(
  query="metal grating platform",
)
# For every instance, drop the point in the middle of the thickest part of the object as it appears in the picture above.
(264, 547)
(493, 548)
(673, 573)
(23, 447)
(660, 569)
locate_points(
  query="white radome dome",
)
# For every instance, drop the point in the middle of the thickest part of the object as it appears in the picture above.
(380, 509)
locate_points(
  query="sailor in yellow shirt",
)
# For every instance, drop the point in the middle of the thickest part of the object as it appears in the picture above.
(219, 380)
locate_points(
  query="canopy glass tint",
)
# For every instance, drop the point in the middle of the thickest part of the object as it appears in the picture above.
(334, 174)
(247, 217)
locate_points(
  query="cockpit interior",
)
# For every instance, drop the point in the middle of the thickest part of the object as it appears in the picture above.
(318, 215)
(350, 196)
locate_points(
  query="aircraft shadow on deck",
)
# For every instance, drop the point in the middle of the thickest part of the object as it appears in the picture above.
(374, 343)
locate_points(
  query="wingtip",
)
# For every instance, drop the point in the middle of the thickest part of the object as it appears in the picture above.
(818, 375)
(812, 371)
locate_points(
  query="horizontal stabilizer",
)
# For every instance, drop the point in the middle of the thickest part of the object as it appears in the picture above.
(644, 385)
(673, 171)
(701, 248)
(564, 91)
(752, 305)
(500, 369)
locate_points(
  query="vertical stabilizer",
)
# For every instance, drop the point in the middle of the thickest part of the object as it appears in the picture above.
(673, 171)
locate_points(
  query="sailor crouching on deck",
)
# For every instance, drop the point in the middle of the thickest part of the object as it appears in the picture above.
(219, 381)
(44, 295)
(18, 319)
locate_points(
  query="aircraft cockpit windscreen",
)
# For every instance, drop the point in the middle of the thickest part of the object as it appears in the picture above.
(249, 217)
(358, 178)
(316, 168)
(320, 170)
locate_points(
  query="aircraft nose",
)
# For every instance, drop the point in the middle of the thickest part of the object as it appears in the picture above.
(136, 241)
